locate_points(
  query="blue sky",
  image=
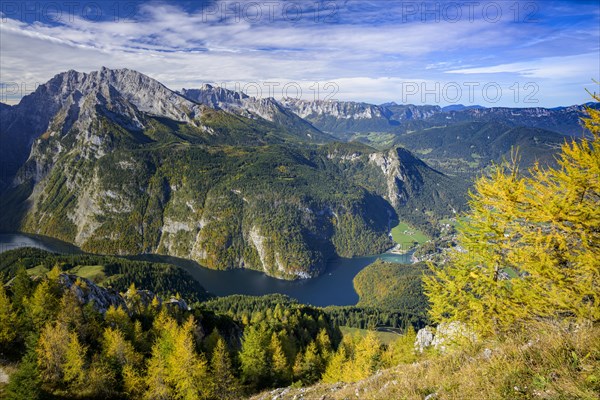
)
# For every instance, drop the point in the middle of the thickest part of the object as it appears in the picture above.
(495, 53)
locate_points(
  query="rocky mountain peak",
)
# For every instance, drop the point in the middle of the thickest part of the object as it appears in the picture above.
(74, 101)
(146, 94)
(218, 97)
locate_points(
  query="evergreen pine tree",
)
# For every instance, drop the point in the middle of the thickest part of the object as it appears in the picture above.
(324, 344)
(367, 357)
(309, 365)
(188, 371)
(25, 383)
(21, 288)
(42, 306)
(335, 371)
(74, 363)
(51, 350)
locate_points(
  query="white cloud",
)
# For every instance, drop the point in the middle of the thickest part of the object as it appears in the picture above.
(368, 60)
(564, 67)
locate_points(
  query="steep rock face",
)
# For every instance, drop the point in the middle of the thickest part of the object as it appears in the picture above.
(356, 111)
(396, 178)
(218, 97)
(338, 109)
(132, 88)
(149, 95)
(342, 119)
(407, 179)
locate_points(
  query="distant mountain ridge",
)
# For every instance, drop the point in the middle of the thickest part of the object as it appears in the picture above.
(460, 107)
(563, 120)
(470, 147)
(345, 119)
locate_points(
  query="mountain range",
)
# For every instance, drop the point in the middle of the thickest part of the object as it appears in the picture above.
(344, 119)
(116, 163)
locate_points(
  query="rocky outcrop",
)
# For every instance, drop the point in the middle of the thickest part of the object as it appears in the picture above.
(102, 299)
(88, 292)
(4, 377)
(445, 336)
(401, 170)
(258, 241)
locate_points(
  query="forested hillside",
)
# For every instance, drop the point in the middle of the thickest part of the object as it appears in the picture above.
(145, 348)
(392, 286)
(470, 147)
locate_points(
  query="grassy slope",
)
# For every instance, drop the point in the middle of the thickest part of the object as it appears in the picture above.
(94, 273)
(550, 362)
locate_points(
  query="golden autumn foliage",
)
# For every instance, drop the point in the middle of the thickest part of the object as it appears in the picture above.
(8, 320)
(176, 370)
(530, 246)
